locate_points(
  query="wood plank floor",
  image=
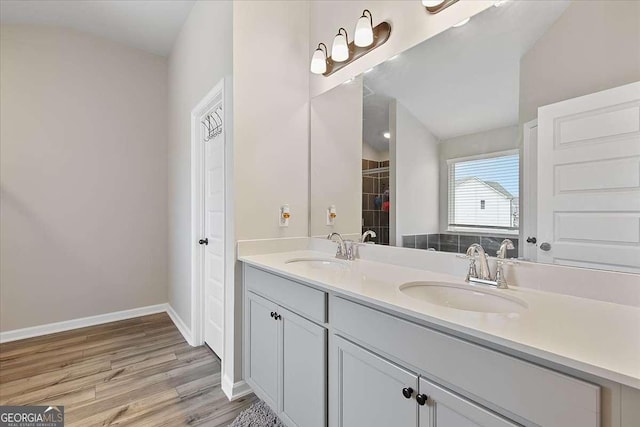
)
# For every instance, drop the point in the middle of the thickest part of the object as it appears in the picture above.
(136, 372)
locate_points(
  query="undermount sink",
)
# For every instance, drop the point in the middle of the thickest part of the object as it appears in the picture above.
(320, 263)
(464, 297)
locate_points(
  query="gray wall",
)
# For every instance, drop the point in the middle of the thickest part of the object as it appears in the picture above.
(593, 46)
(200, 58)
(336, 154)
(83, 157)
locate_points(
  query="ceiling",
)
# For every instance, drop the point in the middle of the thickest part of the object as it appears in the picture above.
(463, 81)
(150, 25)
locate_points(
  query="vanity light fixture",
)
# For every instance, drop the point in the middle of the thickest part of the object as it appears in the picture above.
(363, 36)
(435, 6)
(461, 23)
(340, 47)
(343, 52)
(319, 60)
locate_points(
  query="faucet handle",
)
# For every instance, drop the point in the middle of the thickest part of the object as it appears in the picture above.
(350, 247)
(473, 271)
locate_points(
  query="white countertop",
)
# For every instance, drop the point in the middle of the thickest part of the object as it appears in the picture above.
(591, 336)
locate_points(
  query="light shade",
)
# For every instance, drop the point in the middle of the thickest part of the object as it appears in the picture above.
(461, 23)
(319, 60)
(432, 3)
(340, 47)
(363, 36)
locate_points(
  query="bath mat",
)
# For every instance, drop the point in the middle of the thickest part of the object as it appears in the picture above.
(257, 415)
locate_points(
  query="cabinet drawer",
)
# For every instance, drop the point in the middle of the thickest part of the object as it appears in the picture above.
(510, 385)
(299, 298)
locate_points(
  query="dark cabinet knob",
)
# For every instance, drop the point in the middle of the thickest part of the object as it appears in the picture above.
(204, 241)
(422, 399)
(277, 316)
(532, 240)
(273, 314)
(407, 392)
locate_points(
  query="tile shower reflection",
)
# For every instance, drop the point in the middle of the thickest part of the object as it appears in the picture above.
(375, 199)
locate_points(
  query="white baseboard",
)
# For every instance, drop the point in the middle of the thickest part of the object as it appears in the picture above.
(184, 330)
(236, 390)
(67, 325)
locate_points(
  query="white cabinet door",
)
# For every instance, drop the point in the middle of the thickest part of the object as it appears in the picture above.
(303, 367)
(367, 390)
(263, 349)
(443, 408)
(589, 180)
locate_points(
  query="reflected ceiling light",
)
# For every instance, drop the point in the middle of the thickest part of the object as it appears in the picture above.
(393, 57)
(363, 36)
(340, 47)
(387, 135)
(435, 6)
(319, 60)
(369, 70)
(500, 3)
(461, 23)
(348, 81)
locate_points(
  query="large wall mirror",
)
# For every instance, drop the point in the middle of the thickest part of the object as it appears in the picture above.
(524, 123)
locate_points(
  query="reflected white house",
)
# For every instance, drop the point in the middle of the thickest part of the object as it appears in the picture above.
(484, 203)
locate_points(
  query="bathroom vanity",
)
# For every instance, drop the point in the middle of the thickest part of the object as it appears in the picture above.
(331, 342)
(502, 127)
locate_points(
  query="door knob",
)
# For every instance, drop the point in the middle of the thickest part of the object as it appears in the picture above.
(407, 392)
(422, 399)
(545, 246)
(532, 240)
(204, 241)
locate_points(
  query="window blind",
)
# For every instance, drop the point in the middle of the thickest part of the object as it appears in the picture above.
(484, 192)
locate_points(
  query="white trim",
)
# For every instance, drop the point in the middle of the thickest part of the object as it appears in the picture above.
(451, 183)
(184, 330)
(224, 89)
(529, 186)
(197, 210)
(482, 156)
(229, 369)
(67, 325)
(236, 390)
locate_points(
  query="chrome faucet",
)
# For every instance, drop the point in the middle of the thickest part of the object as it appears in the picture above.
(368, 233)
(345, 247)
(484, 276)
(506, 244)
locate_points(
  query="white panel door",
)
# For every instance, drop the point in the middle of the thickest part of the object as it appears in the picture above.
(214, 225)
(446, 409)
(370, 391)
(303, 367)
(589, 180)
(263, 350)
